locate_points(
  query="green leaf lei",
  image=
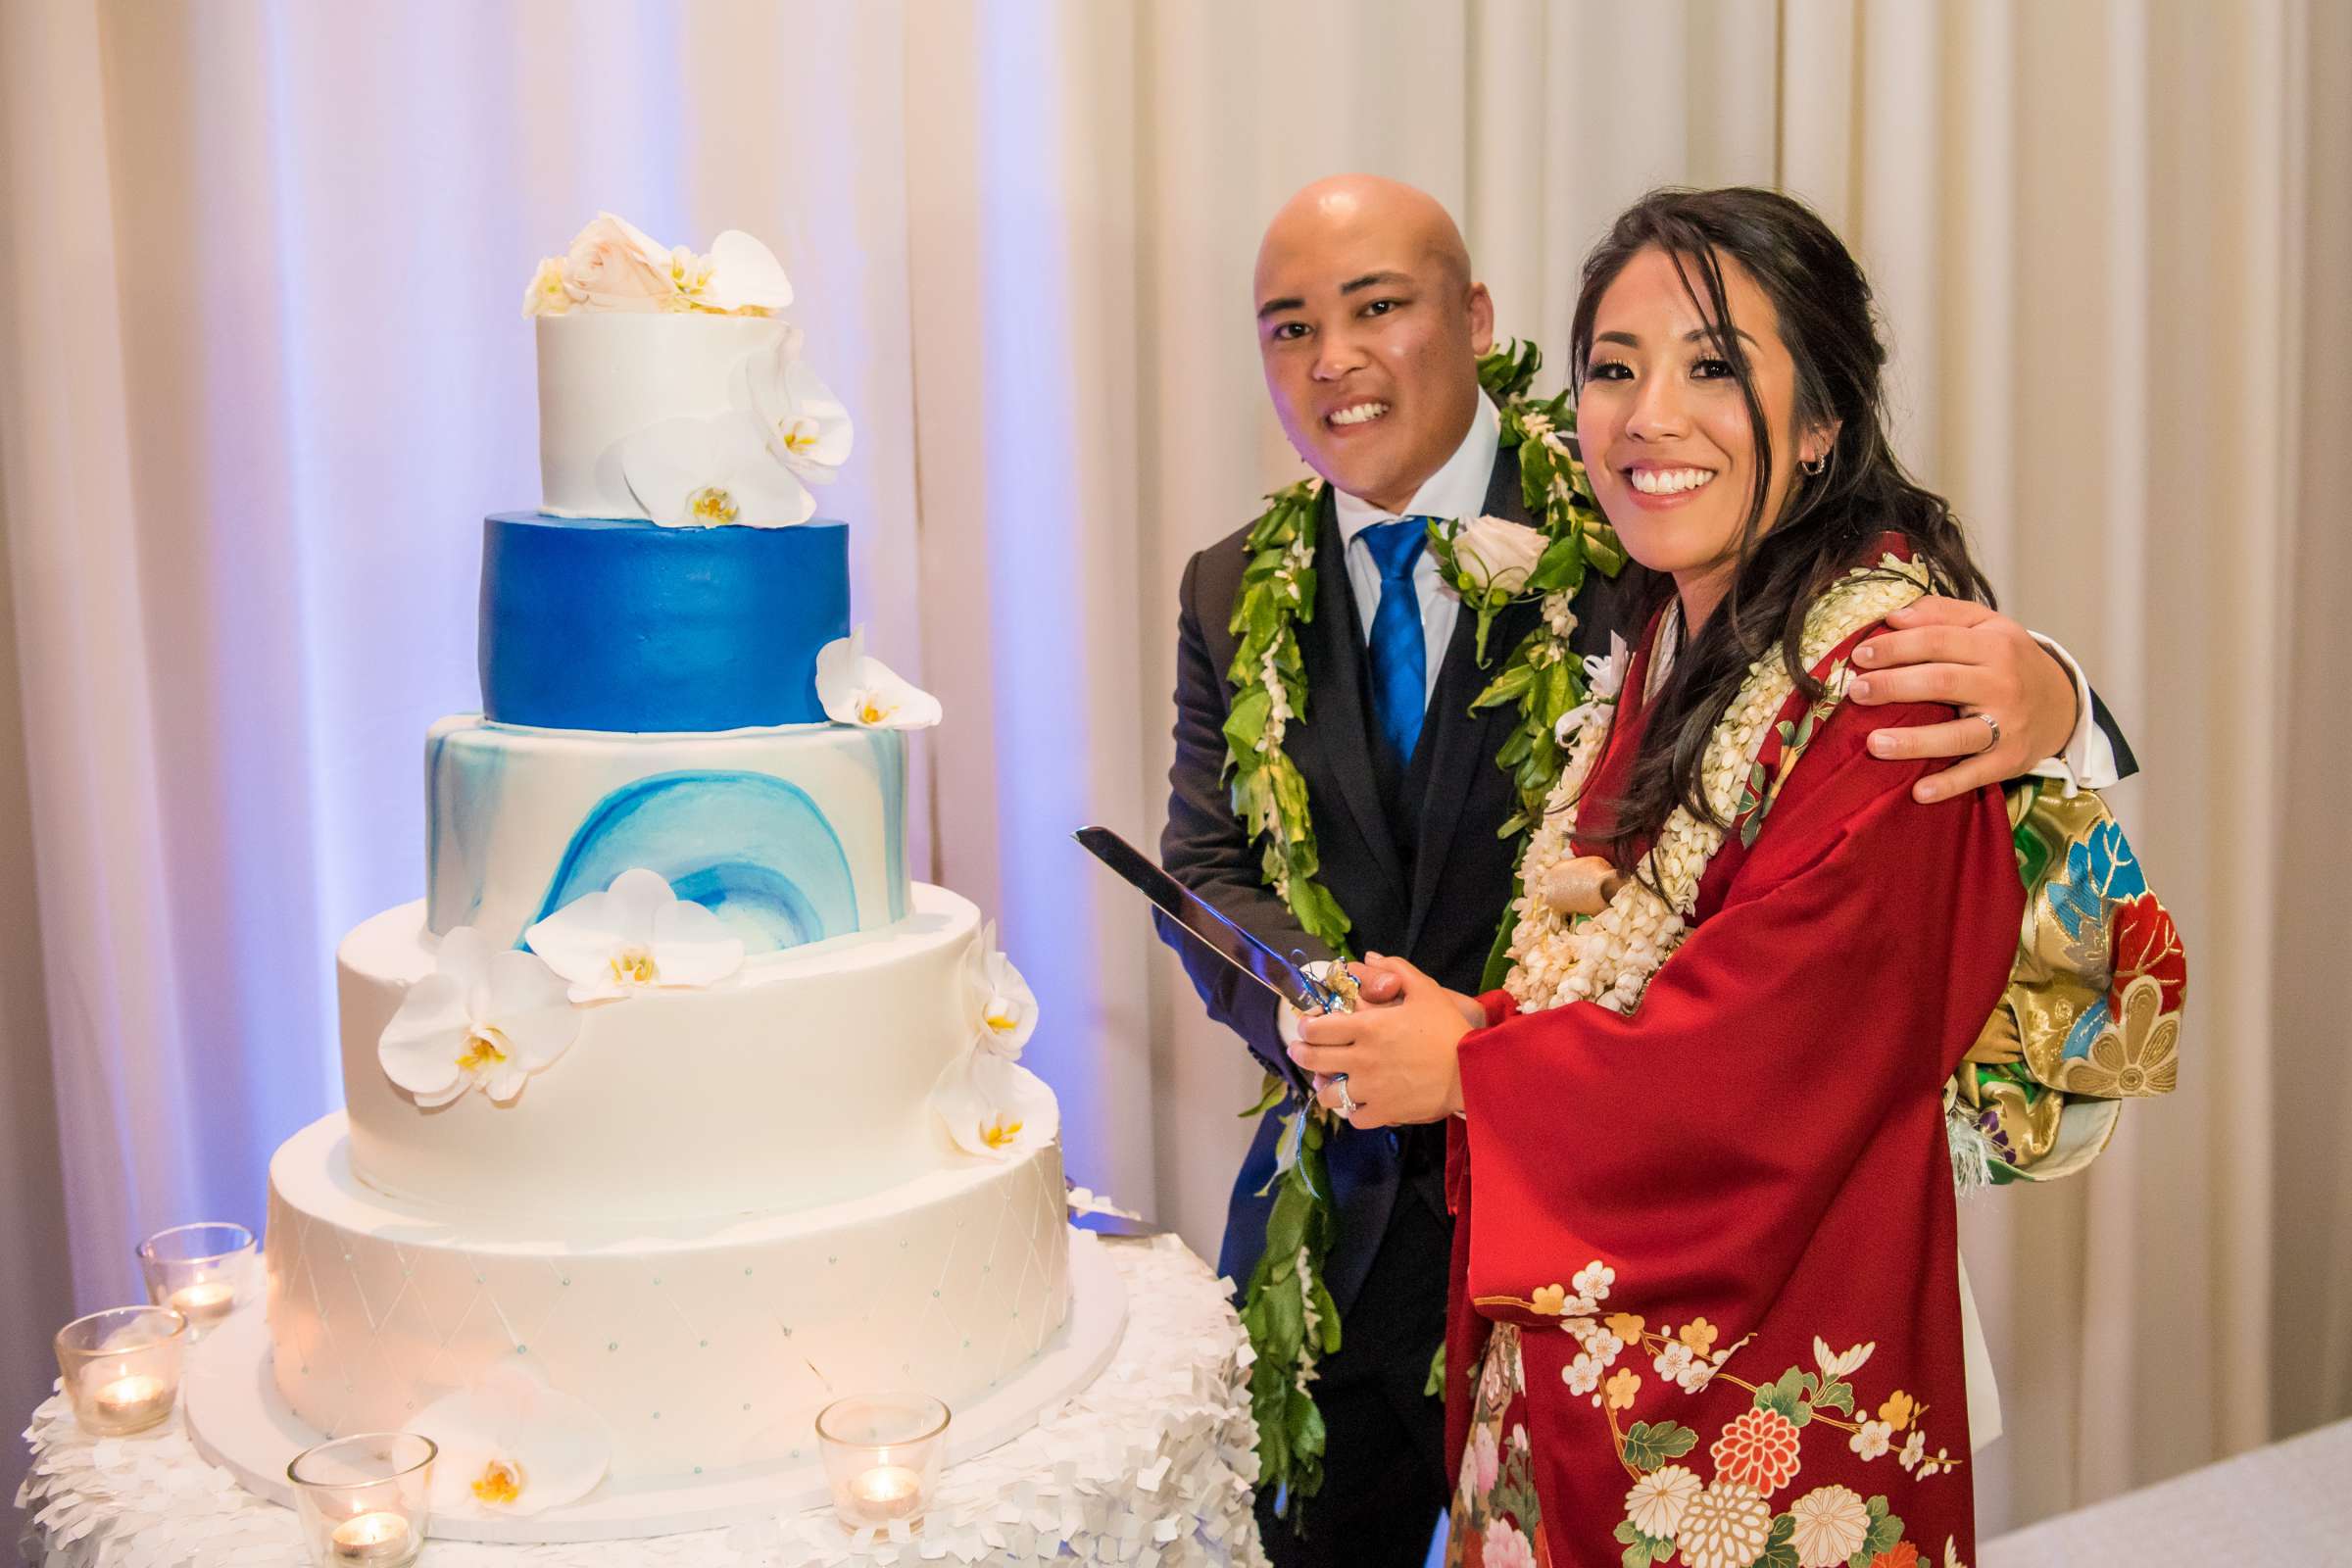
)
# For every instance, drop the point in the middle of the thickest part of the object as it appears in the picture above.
(1290, 1315)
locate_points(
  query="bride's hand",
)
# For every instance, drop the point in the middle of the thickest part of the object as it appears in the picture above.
(1398, 1054)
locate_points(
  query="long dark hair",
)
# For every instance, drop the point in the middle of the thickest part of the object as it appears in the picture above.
(1830, 519)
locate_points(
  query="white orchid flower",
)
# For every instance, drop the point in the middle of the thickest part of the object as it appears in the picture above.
(856, 688)
(993, 1107)
(1005, 1006)
(707, 473)
(1605, 679)
(513, 1447)
(635, 935)
(804, 423)
(486, 1017)
(745, 276)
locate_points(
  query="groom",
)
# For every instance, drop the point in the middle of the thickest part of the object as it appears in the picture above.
(1370, 326)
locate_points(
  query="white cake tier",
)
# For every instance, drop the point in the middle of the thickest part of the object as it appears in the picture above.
(605, 375)
(802, 1080)
(792, 835)
(701, 1350)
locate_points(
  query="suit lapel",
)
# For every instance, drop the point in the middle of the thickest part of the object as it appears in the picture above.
(1338, 741)
(1463, 745)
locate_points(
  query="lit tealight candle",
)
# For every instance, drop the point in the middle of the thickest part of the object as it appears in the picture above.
(134, 1402)
(205, 1303)
(374, 1537)
(889, 1491)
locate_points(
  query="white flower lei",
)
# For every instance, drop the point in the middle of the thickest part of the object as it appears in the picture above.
(1608, 957)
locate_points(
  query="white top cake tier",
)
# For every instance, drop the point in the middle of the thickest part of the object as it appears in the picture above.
(671, 389)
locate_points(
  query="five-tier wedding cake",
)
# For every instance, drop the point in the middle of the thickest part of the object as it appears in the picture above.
(674, 1107)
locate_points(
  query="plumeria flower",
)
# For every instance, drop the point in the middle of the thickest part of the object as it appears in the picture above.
(745, 276)
(1006, 1006)
(635, 935)
(856, 688)
(512, 1446)
(486, 1017)
(993, 1107)
(693, 472)
(806, 427)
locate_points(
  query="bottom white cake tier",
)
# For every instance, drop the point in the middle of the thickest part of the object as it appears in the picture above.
(703, 1348)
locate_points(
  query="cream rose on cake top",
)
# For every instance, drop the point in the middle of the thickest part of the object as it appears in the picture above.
(720, 426)
(613, 264)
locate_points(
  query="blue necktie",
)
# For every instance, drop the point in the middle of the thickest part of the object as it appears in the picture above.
(1399, 661)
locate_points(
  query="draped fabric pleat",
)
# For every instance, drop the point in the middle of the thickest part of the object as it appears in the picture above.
(262, 372)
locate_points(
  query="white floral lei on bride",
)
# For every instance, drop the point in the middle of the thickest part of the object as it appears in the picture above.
(1609, 957)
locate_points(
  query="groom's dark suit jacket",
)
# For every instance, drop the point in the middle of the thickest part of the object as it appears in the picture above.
(1411, 854)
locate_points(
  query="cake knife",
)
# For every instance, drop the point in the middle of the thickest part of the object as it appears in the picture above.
(1213, 930)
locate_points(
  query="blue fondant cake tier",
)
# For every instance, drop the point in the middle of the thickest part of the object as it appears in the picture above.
(598, 624)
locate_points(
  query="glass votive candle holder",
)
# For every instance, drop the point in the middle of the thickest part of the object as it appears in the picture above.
(882, 1456)
(364, 1498)
(122, 1367)
(203, 1272)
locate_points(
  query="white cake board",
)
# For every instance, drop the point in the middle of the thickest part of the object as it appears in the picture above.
(236, 1419)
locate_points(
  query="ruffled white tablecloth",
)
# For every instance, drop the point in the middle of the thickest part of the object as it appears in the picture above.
(1151, 1465)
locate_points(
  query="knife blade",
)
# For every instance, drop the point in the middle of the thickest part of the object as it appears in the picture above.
(1211, 929)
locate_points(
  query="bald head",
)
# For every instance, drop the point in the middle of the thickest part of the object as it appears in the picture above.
(1370, 327)
(1343, 208)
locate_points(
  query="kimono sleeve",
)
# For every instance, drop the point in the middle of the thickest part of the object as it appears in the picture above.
(1853, 955)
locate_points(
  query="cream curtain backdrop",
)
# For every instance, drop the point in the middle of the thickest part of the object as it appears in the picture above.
(261, 373)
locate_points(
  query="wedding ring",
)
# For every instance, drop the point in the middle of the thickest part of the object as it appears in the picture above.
(1993, 725)
(1339, 1081)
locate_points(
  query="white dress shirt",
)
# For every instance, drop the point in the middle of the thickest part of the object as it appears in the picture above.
(1456, 491)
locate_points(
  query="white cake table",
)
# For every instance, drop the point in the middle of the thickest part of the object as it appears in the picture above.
(2289, 1501)
(1152, 1464)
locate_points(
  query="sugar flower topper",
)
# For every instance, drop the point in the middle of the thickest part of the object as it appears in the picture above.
(634, 936)
(486, 1017)
(803, 424)
(613, 264)
(993, 1107)
(856, 688)
(1005, 1009)
(785, 430)
(695, 472)
(512, 1446)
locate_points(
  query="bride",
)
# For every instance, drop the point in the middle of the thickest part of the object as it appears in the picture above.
(1703, 1294)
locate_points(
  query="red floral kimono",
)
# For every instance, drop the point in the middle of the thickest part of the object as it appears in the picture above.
(1704, 1296)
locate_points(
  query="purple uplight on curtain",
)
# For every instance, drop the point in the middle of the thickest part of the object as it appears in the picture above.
(1033, 506)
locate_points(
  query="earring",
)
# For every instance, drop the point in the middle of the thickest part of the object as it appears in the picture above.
(1815, 468)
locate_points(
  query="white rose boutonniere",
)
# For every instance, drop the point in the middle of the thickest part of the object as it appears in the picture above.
(1493, 561)
(1497, 554)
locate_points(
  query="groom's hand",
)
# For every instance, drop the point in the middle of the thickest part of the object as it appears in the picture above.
(1981, 662)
